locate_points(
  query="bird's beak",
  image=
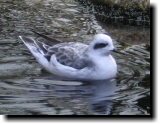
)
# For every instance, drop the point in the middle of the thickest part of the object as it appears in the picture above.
(115, 50)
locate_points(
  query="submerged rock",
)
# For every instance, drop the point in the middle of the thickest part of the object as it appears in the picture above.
(8, 70)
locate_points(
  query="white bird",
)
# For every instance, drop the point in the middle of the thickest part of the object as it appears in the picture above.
(75, 60)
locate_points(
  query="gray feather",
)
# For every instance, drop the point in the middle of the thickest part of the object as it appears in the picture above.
(69, 54)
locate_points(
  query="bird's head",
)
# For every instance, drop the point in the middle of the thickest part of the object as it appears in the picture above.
(101, 45)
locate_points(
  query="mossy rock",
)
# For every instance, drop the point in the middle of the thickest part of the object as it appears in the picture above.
(132, 12)
(141, 4)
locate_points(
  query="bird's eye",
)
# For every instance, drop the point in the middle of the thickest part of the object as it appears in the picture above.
(100, 45)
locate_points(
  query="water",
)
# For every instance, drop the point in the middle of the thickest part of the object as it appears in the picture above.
(26, 89)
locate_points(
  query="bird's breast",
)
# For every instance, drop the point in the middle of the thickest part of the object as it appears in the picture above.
(106, 67)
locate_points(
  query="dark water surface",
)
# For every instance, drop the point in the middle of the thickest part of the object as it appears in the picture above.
(25, 89)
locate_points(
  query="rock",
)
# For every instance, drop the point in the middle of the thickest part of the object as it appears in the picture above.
(13, 59)
(71, 10)
(63, 20)
(14, 69)
(132, 12)
(141, 4)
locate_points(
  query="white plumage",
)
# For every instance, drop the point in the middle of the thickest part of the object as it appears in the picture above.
(76, 60)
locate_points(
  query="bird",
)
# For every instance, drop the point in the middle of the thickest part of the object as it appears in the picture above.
(76, 60)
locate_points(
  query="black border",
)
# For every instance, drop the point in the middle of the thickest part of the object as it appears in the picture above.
(105, 117)
(152, 59)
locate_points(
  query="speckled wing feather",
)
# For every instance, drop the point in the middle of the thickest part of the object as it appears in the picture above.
(70, 54)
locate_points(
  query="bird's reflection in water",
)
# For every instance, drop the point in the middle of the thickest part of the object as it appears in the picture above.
(102, 99)
(96, 95)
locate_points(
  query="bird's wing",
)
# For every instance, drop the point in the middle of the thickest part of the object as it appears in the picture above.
(69, 54)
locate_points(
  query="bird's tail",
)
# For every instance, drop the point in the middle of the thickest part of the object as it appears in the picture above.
(32, 45)
(36, 49)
